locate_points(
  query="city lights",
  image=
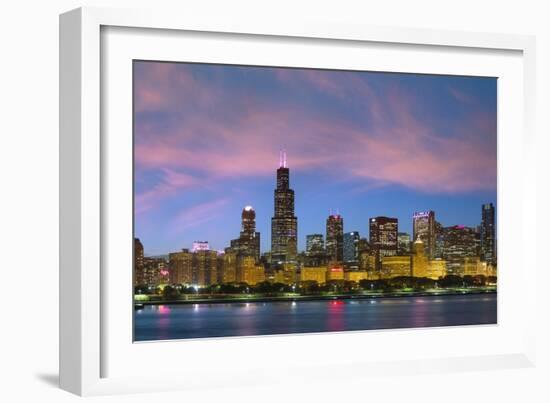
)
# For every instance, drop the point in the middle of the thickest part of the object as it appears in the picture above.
(434, 252)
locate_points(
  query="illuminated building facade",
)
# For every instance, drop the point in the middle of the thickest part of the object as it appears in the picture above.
(181, 267)
(437, 268)
(315, 245)
(383, 237)
(205, 265)
(248, 243)
(284, 224)
(395, 266)
(155, 271)
(424, 228)
(318, 274)
(460, 242)
(419, 259)
(351, 248)
(229, 271)
(439, 241)
(474, 266)
(286, 274)
(487, 234)
(315, 251)
(335, 271)
(335, 238)
(367, 260)
(403, 243)
(139, 277)
(249, 272)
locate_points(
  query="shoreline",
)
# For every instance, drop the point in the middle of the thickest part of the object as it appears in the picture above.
(305, 298)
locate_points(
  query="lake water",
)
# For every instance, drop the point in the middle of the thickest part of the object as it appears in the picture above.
(164, 322)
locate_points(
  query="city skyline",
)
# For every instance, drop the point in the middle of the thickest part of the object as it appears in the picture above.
(249, 225)
(208, 137)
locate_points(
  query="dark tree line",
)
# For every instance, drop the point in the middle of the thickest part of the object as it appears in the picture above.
(172, 292)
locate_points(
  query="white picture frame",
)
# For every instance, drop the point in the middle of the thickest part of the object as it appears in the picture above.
(88, 308)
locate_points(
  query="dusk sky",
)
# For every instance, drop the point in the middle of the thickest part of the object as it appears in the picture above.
(208, 137)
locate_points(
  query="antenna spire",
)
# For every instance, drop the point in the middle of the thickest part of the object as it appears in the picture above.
(282, 159)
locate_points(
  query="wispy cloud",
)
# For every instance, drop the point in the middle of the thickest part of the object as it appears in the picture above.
(462, 96)
(170, 184)
(196, 124)
(198, 214)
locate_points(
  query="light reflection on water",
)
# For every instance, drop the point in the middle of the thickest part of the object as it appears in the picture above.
(239, 319)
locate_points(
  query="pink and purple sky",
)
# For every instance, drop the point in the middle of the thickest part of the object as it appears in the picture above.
(207, 142)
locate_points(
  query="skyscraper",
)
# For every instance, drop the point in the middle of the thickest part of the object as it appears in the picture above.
(181, 268)
(403, 243)
(460, 243)
(315, 250)
(335, 238)
(488, 244)
(248, 243)
(383, 237)
(284, 224)
(424, 229)
(205, 265)
(351, 247)
(315, 245)
(139, 276)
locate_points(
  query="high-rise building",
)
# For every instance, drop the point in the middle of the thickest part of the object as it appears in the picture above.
(460, 242)
(139, 277)
(403, 243)
(248, 243)
(315, 245)
(335, 238)
(439, 241)
(249, 272)
(155, 271)
(351, 247)
(487, 234)
(181, 267)
(383, 237)
(315, 251)
(229, 271)
(284, 224)
(205, 265)
(424, 228)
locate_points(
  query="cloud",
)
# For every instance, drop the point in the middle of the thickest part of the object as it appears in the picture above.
(461, 96)
(191, 126)
(170, 184)
(198, 214)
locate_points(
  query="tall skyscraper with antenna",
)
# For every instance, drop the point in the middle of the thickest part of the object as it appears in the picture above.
(284, 224)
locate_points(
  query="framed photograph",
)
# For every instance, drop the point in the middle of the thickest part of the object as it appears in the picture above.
(247, 197)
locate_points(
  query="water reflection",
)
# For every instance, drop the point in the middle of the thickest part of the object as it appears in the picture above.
(336, 315)
(240, 319)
